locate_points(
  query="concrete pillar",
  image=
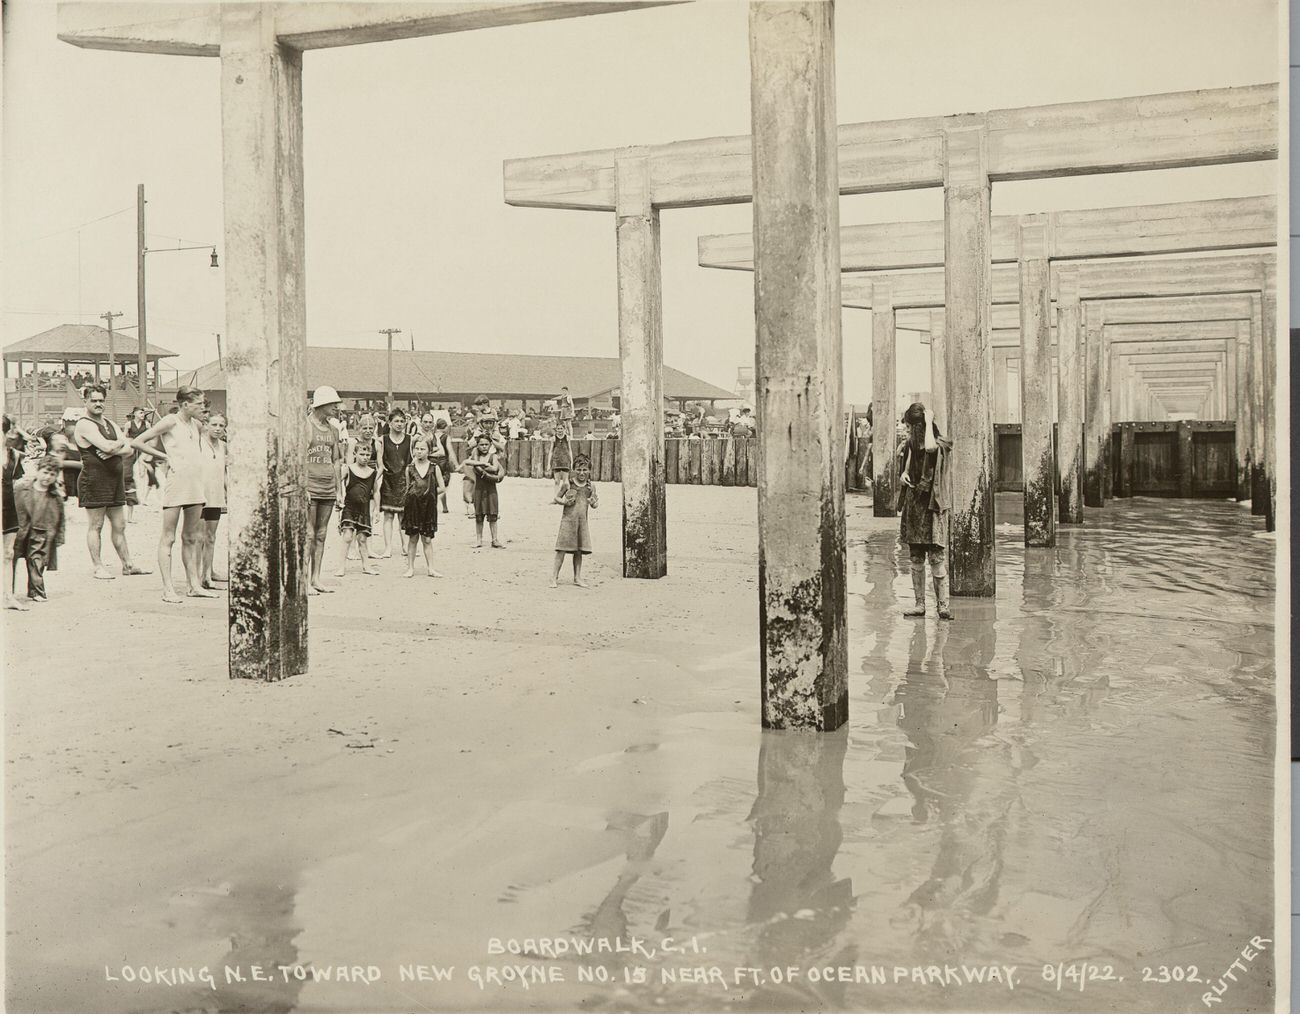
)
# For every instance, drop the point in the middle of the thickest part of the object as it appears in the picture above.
(1039, 463)
(1184, 459)
(1243, 417)
(939, 369)
(1269, 320)
(884, 399)
(266, 313)
(1069, 426)
(1001, 403)
(1107, 460)
(641, 351)
(967, 297)
(1258, 370)
(799, 378)
(1126, 446)
(1094, 394)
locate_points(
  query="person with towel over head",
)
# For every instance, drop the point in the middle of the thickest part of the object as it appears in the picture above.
(923, 500)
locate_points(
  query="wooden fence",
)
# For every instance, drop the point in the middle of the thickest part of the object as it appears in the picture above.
(705, 462)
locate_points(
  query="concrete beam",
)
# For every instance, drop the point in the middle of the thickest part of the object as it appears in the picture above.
(1177, 129)
(803, 597)
(1185, 227)
(1129, 278)
(194, 29)
(1155, 310)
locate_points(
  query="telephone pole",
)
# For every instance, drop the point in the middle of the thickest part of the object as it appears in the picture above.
(220, 363)
(108, 319)
(142, 367)
(390, 331)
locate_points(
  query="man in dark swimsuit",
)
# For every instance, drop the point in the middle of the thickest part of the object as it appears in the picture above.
(101, 486)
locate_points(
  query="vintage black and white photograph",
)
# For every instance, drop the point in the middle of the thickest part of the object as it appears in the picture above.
(637, 505)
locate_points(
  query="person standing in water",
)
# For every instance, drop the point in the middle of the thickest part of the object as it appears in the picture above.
(923, 501)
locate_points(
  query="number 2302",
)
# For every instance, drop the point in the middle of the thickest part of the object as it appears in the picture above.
(1176, 973)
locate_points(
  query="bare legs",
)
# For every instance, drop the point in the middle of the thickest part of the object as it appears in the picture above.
(411, 543)
(190, 521)
(352, 537)
(391, 518)
(209, 553)
(117, 534)
(577, 569)
(492, 527)
(318, 515)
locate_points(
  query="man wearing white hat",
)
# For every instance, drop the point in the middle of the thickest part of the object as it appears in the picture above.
(324, 478)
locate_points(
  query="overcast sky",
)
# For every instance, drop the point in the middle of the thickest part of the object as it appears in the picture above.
(404, 142)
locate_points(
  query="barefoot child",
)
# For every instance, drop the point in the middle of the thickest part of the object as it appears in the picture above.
(358, 505)
(574, 536)
(485, 466)
(396, 455)
(561, 455)
(420, 518)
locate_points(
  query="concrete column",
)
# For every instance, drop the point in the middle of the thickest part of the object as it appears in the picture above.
(799, 383)
(641, 351)
(1126, 444)
(1039, 463)
(1269, 320)
(1259, 401)
(1243, 418)
(884, 399)
(1094, 395)
(1001, 403)
(1184, 459)
(266, 314)
(939, 369)
(1107, 459)
(1069, 398)
(967, 297)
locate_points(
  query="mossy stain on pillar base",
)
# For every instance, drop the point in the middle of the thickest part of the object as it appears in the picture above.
(1258, 490)
(971, 550)
(792, 672)
(1039, 503)
(645, 532)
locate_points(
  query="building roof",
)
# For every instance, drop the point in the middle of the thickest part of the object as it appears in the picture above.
(82, 343)
(363, 373)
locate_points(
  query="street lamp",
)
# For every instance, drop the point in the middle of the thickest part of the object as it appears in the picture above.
(141, 251)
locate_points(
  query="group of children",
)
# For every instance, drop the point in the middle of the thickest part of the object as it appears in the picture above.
(403, 475)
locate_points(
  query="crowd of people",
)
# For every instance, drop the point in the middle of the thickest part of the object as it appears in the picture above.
(387, 475)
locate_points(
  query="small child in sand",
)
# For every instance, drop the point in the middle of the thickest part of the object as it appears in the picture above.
(561, 455)
(41, 522)
(359, 505)
(485, 465)
(574, 536)
(420, 518)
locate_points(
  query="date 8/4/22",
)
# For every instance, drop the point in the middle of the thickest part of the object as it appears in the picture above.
(1078, 975)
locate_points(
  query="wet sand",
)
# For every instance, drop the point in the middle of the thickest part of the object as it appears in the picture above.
(1079, 772)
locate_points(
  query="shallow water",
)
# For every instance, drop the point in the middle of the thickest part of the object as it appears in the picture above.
(1079, 771)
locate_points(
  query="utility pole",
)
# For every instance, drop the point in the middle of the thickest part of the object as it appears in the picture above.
(220, 364)
(390, 331)
(108, 319)
(142, 365)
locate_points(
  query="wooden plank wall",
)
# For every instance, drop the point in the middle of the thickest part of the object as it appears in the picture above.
(1189, 459)
(714, 462)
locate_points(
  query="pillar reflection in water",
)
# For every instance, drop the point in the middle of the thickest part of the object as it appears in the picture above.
(961, 778)
(796, 899)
